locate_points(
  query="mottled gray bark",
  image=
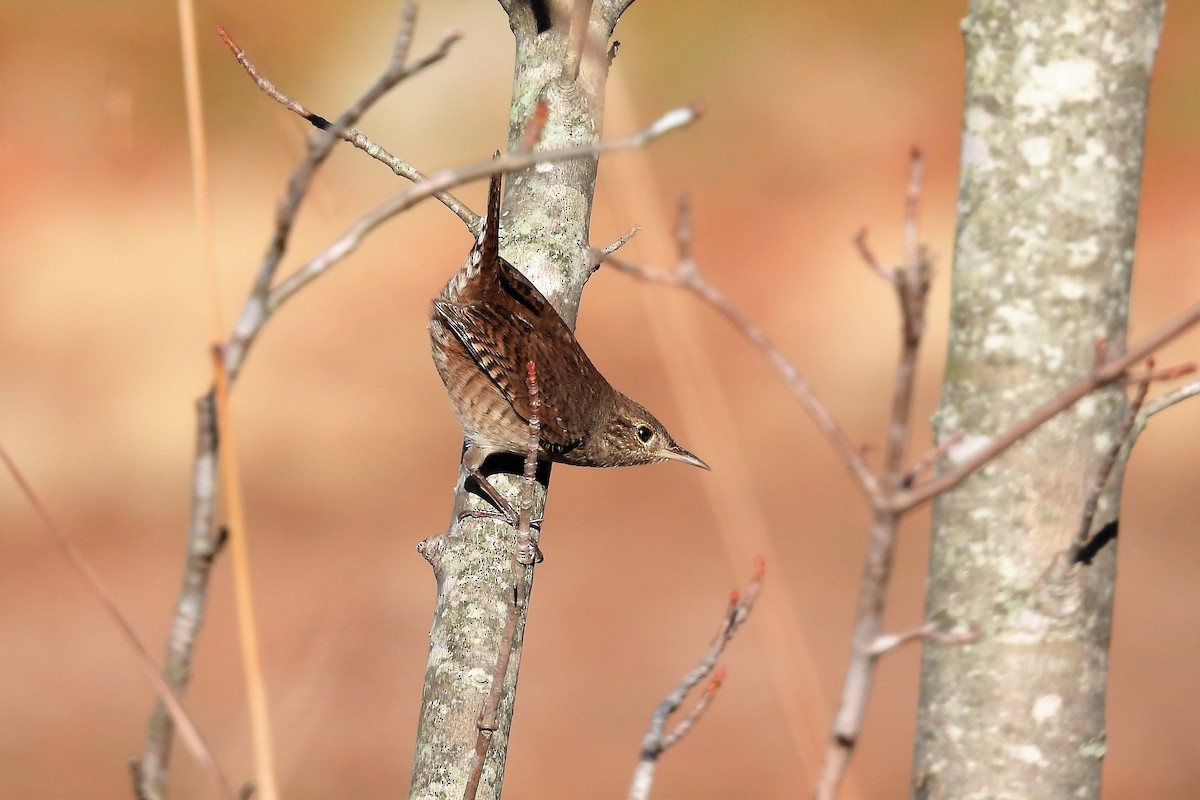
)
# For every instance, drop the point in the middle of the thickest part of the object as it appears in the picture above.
(1048, 198)
(544, 232)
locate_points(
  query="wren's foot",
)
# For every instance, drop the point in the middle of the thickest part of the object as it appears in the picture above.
(504, 509)
(528, 553)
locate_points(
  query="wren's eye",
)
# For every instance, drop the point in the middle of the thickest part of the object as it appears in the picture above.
(644, 434)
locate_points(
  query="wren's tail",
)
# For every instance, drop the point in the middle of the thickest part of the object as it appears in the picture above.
(489, 240)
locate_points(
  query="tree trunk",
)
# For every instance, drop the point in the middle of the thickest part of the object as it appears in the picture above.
(1053, 125)
(544, 234)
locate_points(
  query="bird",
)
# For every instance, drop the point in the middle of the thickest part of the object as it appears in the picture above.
(485, 326)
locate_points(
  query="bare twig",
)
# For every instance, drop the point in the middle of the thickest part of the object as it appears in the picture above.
(191, 734)
(912, 208)
(357, 138)
(1080, 543)
(686, 276)
(911, 285)
(930, 459)
(657, 739)
(523, 559)
(613, 247)
(1163, 402)
(204, 543)
(869, 258)
(888, 642)
(1154, 374)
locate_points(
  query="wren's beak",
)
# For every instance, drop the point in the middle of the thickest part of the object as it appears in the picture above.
(677, 453)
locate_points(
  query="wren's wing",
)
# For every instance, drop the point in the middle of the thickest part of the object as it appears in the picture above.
(499, 343)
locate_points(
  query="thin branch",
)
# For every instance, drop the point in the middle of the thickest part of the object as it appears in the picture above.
(440, 181)
(657, 740)
(1079, 545)
(888, 642)
(930, 459)
(868, 256)
(686, 276)
(1153, 374)
(620, 242)
(685, 725)
(1111, 371)
(912, 294)
(191, 734)
(523, 549)
(204, 543)
(912, 207)
(150, 772)
(354, 136)
(1163, 402)
(910, 284)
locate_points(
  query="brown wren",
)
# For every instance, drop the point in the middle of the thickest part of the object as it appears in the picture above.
(485, 326)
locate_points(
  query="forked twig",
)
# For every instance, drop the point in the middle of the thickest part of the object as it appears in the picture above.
(657, 738)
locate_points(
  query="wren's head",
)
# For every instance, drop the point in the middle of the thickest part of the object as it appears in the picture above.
(633, 436)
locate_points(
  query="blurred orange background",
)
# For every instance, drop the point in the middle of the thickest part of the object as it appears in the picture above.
(349, 447)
